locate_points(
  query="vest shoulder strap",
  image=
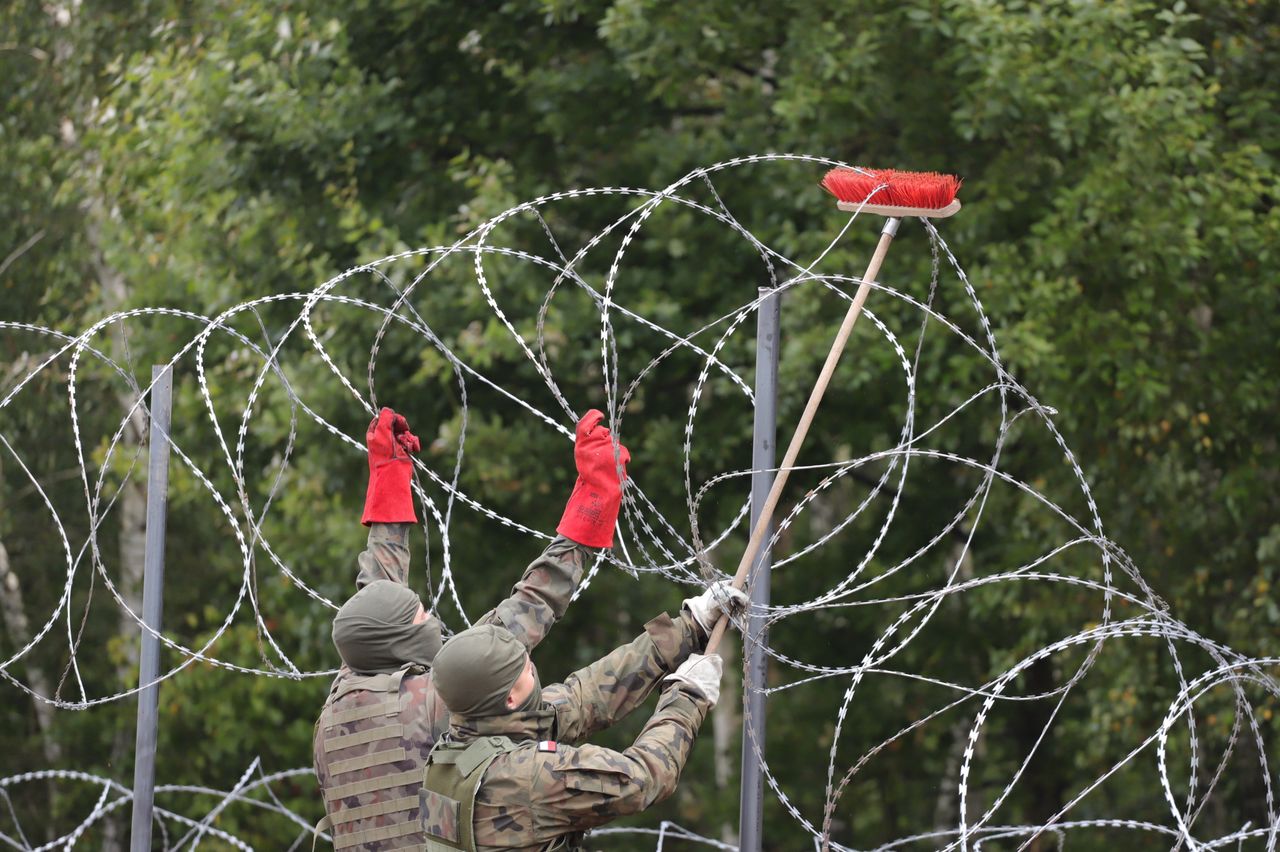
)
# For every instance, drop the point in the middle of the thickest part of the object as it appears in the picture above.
(388, 683)
(451, 780)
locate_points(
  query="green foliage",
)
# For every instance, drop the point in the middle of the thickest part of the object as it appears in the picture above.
(1119, 226)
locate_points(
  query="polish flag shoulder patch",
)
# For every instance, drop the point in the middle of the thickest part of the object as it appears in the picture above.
(547, 745)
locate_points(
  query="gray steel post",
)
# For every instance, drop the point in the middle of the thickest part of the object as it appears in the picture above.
(144, 767)
(751, 814)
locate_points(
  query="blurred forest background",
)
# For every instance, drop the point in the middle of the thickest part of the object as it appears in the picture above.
(1119, 225)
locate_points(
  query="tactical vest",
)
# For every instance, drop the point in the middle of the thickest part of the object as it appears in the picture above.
(447, 800)
(384, 723)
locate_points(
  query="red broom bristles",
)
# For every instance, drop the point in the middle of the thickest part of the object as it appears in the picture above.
(928, 190)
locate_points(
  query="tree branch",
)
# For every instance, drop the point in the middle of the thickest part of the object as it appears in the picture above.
(21, 250)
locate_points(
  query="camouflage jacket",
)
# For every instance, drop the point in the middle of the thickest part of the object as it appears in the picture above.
(552, 786)
(374, 731)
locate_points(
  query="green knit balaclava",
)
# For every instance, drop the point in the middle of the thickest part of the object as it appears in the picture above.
(374, 630)
(476, 669)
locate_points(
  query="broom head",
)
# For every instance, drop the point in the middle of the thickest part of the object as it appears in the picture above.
(887, 192)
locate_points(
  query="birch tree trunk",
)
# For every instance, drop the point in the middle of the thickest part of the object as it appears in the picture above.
(16, 625)
(131, 511)
(130, 507)
(13, 612)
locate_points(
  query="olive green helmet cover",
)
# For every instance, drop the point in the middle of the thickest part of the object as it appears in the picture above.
(374, 630)
(476, 670)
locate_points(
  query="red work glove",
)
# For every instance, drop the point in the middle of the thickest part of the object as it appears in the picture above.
(592, 510)
(389, 500)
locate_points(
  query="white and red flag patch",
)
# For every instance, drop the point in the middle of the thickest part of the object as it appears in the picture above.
(547, 745)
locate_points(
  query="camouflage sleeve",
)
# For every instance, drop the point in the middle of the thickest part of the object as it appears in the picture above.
(604, 692)
(583, 787)
(542, 595)
(386, 556)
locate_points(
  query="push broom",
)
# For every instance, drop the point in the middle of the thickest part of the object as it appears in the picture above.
(888, 193)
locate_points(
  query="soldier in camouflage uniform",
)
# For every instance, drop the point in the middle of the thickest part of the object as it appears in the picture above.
(513, 773)
(383, 714)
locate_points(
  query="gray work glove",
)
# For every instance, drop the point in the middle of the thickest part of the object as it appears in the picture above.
(722, 597)
(701, 674)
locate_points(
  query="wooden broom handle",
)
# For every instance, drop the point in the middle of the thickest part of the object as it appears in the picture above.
(797, 440)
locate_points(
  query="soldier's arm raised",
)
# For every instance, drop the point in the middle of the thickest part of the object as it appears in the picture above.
(542, 595)
(388, 501)
(581, 788)
(595, 697)
(385, 556)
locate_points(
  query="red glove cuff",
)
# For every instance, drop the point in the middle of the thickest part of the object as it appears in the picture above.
(389, 500)
(591, 514)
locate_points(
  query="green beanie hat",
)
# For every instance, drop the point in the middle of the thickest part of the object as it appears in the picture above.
(374, 630)
(476, 669)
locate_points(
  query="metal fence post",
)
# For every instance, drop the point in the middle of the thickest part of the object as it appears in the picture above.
(144, 767)
(764, 440)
